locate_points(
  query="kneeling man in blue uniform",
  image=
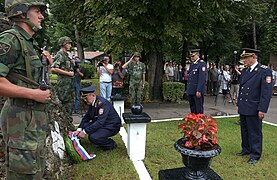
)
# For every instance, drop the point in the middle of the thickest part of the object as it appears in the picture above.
(253, 101)
(100, 122)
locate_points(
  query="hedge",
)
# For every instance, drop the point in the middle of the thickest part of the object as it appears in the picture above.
(173, 91)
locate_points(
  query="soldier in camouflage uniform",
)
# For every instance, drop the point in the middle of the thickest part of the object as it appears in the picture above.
(4, 25)
(23, 118)
(136, 70)
(64, 68)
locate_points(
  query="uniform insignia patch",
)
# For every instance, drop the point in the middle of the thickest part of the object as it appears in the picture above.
(101, 111)
(203, 68)
(4, 48)
(268, 79)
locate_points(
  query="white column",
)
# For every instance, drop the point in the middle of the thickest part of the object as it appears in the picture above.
(119, 107)
(136, 141)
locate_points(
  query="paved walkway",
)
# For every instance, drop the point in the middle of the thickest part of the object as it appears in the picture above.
(159, 111)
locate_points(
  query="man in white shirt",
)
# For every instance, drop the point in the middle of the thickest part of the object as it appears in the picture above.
(169, 72)
(105, 71)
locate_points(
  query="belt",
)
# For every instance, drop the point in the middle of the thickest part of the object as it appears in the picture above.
(106, 82)
(27, 103)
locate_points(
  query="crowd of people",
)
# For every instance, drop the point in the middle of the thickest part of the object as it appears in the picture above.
(225, 80)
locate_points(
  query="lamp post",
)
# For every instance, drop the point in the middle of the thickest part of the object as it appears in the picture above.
(235, 55)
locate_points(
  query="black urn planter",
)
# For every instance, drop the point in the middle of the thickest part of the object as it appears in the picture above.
(136, 109)
(197, 161)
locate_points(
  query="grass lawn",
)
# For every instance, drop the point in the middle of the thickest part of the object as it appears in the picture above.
(160, 155)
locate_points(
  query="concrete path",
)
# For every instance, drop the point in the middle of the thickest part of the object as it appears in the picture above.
(160, 111)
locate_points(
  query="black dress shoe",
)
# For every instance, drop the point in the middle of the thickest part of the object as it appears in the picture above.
(252, 161)
(110, 148)
(242, 153)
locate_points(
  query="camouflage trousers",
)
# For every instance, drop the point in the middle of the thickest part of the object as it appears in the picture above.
(135, 91)
(65, 92)
(24, 133)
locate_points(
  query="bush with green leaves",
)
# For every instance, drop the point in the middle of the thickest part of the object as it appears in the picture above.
(89, 71)
(173, 91)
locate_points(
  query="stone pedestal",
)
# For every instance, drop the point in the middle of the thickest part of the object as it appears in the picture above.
(118, 104)
(136, 135)
(180, 174)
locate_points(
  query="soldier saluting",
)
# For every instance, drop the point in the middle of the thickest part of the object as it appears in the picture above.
(23, 117)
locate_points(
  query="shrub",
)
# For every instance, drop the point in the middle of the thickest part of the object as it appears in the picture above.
(89, 71)
(173, 91)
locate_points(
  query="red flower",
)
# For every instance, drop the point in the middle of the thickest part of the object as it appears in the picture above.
(188, 144)
(199, 131)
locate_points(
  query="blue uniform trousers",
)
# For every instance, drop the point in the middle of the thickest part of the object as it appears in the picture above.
(196, 104)
(101, 137)
(251, 135)
(77, 87)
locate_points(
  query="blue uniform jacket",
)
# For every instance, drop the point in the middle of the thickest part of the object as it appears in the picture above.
(255, 90)
(101, 114)
(197, 77)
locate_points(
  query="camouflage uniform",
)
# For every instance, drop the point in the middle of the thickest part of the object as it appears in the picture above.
(136, 70)
(23, 121)
(65, 86)
(4, 25)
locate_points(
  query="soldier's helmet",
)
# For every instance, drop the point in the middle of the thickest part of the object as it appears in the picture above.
(137, 54)
(63, 40)
(16, 7)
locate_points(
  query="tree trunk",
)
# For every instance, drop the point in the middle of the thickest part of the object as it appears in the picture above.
(254, 34)
(155, 75)
(184, 53)
(79, 45)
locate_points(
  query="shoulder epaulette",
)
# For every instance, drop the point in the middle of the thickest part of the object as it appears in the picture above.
(98, 102)
(263, 66)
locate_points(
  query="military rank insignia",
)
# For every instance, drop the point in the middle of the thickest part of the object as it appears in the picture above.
(4, 48)
(101, 111)
(268, 79)
(256, 69)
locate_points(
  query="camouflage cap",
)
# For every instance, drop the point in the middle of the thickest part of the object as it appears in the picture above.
(137, 54)
(64, 40)
(16, 7)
